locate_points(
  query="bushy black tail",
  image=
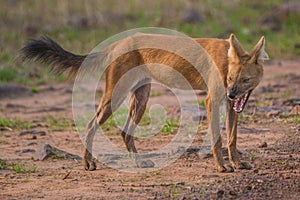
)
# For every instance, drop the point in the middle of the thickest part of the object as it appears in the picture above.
(45, 50)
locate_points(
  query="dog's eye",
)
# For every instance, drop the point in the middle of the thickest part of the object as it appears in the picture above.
(246, 80)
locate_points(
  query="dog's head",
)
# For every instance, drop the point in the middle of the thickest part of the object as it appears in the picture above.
(245, 71)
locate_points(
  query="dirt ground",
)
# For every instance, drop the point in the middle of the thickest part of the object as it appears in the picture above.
(268, 137)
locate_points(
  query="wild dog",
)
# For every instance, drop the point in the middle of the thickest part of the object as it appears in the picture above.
(239, 70)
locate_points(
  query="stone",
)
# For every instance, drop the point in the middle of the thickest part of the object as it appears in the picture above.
(145, 163)
(32, 132)
(263, 145)
(31, 143)
(46, 150)
(28, 151)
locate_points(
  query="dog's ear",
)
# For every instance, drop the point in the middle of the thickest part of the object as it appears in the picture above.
(236, 50)
(258, 52)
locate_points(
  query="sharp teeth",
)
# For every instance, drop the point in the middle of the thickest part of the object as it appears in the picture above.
(239, 103)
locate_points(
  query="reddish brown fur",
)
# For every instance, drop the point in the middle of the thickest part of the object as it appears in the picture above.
(239, 70)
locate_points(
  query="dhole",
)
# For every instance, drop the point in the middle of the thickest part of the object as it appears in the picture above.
(239, 70)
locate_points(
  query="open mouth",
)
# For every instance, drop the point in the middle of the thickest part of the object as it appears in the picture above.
(239, 103)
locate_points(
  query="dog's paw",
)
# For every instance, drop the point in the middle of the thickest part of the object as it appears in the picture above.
(225, 168)
(242, 165)
(88, 161)
(145, 163)
(89, 165)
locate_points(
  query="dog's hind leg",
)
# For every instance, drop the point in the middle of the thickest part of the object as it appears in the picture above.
(138, 102)
(103, 113)
(91, 129)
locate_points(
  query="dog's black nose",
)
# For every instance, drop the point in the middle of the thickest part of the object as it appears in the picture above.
(232, 93)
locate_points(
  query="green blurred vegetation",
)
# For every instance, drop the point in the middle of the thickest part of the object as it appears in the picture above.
(17, 167)
(14, 123)
(80, 25)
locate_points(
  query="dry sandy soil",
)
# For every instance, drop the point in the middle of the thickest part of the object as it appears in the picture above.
(269, 138)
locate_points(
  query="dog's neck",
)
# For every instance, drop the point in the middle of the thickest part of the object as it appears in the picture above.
(218, 50)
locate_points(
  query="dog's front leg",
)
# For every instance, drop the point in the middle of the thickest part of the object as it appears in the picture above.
(231, 130)
(213, 116)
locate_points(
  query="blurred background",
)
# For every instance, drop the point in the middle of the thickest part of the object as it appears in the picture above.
(80, 25)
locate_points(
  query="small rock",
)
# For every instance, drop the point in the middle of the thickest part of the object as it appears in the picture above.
(146, 164)
(28, 151)
(31, 143)
(32, 132)
(255, 170)
(263, 145)
(46, 150)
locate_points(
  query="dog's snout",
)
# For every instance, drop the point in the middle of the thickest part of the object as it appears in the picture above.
(232, 93)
